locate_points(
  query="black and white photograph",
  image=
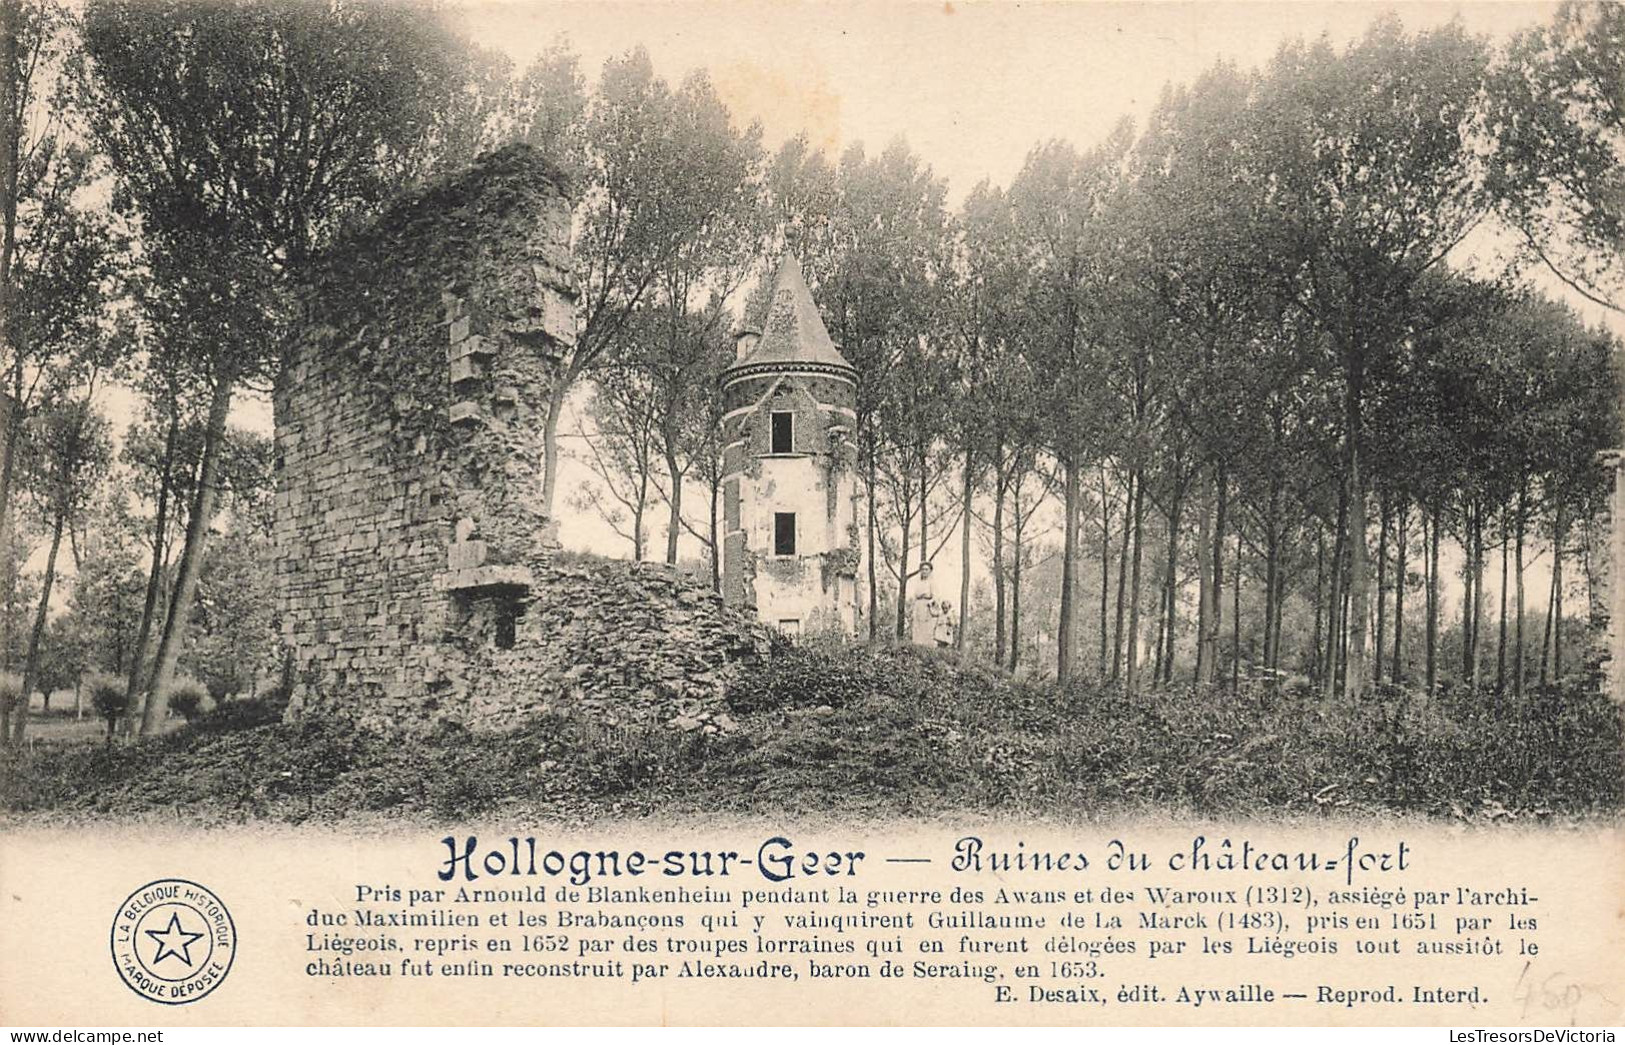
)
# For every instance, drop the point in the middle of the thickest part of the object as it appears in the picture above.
(665, 420)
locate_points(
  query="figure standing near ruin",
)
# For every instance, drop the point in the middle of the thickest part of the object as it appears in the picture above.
(931, 623)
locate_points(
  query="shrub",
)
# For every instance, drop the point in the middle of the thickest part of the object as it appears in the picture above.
(108, 697)
(812, 676)
(11, 686)
(186, 695)
(231, 715)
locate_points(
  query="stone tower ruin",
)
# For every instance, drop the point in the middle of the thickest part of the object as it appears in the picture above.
(409, 423)
(418, 578)
(791, 547)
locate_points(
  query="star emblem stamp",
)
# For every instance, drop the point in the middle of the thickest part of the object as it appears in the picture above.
(173, 941)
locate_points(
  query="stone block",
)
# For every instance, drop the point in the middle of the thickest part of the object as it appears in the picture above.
(465, 412)
(474, 346)
(466, 370)
(466, 555)
(484, 578)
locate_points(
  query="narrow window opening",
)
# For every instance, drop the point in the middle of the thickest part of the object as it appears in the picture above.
(784, 428)
(784, 533)
(507, 626)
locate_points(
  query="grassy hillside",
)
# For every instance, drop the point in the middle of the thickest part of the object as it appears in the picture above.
(882, 732)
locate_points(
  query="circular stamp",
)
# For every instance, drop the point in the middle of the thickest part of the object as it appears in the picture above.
(173, 941)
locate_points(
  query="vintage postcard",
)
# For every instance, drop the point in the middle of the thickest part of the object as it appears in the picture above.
(533, 513)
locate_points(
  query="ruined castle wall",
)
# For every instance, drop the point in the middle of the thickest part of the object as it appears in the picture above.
(624, 643)
(409, 421)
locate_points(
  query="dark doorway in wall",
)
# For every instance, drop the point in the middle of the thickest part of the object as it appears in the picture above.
(507, 626)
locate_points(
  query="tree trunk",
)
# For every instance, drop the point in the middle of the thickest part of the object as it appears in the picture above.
(716, 539)
(1272, 571)
(638, 542)
(1431, 536)
(998, 570)
(1122, 583)
(1501, 638)
(674, 522)
(1204, 593)
(1468, 602)
(1015, 585)
(1215, 615)
(1401, 546)
(1517, 629)
(1557, 590)
(146, 643)
(191, 564)
(1167, 659)
(1162, 631)
(1134, 586)
(901, 623)
(964, 557)
(8, 483)
(1105, 566)
(10, 152)
(1355, 675)
(874, 524)
(1343, 643)
(1478, 593)
(1546, 634)
(1595, 611)
(1281, 605)
(1382, 586)
(31, 661)
(1235, 622)
(925, 515)
(1064, 636)
(1334, 605)
(1320, 603)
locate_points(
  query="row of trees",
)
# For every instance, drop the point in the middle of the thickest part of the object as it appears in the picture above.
(1238, 331)
(1247, 344)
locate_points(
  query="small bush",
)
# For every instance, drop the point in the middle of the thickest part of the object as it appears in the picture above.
(108, 697)
(186, 696)
(11, 687)
(810, 677)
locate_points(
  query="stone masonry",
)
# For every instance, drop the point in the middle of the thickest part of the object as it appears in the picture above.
(418, 579)
(408, 434)
(791, 509)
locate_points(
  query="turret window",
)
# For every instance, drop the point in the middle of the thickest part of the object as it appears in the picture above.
(784, 429)
(784, 533)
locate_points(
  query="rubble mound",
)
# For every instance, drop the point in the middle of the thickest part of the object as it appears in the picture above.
(625, 643)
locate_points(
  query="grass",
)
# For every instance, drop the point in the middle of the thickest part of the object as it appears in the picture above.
(861, 732)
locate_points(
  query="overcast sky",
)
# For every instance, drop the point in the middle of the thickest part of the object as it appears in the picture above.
(971, 86)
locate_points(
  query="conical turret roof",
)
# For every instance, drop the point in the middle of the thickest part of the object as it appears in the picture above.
(793, 334)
